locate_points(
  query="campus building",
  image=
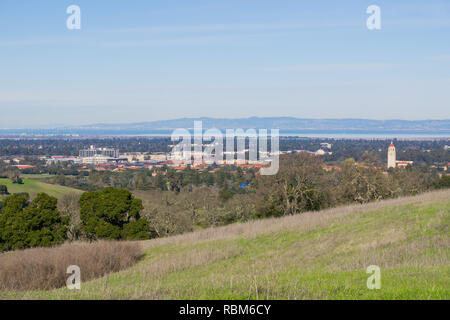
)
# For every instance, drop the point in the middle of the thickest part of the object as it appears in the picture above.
(392, 161)
(104, 152)
(96, 156)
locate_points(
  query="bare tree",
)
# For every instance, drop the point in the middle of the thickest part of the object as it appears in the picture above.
(69, 207)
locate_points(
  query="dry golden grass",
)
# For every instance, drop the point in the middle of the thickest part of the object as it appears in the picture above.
(45, 268)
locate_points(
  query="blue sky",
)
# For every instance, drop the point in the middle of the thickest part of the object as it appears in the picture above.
(136, 61)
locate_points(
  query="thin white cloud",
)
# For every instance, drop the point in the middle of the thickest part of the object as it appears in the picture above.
(40, 41)
(326, 67)
(225, 27)
(186, 40)
(25, 43)
(416, 23)
(173, 35)
(445, 57)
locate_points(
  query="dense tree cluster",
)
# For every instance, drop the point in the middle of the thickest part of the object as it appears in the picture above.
(71, 147)
(112, 214)
(303, 185)
(426, 152)
(166, 179)
(107, 214)
(25, 224)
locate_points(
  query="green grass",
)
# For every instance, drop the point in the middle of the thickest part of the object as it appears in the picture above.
(33, 187)
(320, 255)
(37, 176)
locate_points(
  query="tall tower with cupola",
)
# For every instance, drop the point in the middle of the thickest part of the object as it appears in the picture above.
(391, 156)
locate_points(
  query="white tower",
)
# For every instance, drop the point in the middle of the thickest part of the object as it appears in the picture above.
(391, 156)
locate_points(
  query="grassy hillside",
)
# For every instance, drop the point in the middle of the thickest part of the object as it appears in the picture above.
(33, 187)
(317, 255)
(37, 176)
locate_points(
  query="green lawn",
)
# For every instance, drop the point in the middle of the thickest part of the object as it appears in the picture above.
(33, 187)
(37, 176)
(320, 255)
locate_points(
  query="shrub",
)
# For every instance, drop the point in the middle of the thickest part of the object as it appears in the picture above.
(444, 182)
(45, 268)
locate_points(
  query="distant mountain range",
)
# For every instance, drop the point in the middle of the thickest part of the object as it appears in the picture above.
(282, 123)
(285, 124)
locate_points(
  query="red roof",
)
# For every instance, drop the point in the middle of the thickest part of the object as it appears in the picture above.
(25, 166)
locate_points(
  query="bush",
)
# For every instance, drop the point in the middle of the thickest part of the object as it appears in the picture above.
(25, 225)
(444, 182)
(112, 214)
(45, 268)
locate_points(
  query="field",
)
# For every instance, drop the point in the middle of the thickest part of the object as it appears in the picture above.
(315, 255)
(33, 187)
(37, 176)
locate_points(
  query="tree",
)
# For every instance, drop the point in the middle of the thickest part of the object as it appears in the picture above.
(362, 182)
(300, 185)
(174, 180)
(112, 214)
(24, 224)
(136, 230)
(14, 176)
(3, 189)
(69, 207)
(225, 193)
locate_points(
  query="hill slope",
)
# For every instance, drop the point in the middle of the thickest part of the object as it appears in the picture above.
(33, 187)
(316, 255)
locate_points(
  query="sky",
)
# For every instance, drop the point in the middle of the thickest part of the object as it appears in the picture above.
(136, 61)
